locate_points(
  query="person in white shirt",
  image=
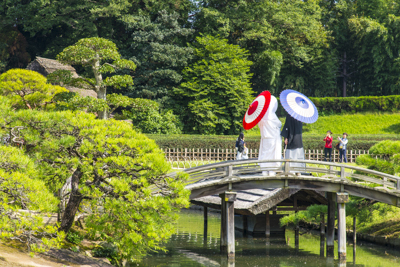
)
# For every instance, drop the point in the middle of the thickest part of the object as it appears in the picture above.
(271, 142)
(343, 148)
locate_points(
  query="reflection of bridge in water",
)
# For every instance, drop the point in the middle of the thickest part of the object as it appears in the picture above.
(337, 181)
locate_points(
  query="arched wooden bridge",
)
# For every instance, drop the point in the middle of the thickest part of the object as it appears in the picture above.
(338, 180)
(318, 175)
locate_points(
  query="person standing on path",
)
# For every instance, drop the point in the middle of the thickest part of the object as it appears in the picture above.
(241, 147)
(328, 145)
(343, 147)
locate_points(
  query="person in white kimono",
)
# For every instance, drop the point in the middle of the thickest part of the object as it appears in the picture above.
(271, 142)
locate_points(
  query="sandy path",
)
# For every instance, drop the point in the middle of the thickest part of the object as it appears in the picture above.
(13, 257)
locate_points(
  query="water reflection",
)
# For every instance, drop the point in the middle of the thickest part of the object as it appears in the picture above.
(188, 247)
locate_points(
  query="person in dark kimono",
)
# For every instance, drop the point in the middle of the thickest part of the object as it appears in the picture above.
(292, 132)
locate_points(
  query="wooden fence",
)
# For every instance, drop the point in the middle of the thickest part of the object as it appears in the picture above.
(191, 157)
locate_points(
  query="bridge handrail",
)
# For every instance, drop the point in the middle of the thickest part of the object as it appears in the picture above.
(285, 161)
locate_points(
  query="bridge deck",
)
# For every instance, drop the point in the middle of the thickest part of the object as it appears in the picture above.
(256, 201)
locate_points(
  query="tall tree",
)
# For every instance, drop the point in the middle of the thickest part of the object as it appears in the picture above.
(50, 26)
(13, 47)
(117, 174)
(216, 91)
(96, 53)
(159, 50)
(281, 36)
(378, 49)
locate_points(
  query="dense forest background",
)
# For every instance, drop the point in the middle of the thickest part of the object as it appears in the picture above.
(321, 48)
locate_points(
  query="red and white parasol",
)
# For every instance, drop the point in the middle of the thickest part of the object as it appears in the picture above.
(256, 110)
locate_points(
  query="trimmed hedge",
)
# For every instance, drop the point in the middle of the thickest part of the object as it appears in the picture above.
(358, 142)
(338, 105)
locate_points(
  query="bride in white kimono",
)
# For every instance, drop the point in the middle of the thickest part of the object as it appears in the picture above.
(271, 142)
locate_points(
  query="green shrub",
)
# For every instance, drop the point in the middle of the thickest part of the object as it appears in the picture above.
(356, 142)
(376, 164)
(390, 164)
(311, 215)
(107, 250)
(147, 118)
(74, 238)
(387, 147)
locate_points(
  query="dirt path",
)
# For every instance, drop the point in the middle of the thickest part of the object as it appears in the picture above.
(60, 258)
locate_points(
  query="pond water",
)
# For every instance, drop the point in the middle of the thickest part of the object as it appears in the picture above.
(187, 247)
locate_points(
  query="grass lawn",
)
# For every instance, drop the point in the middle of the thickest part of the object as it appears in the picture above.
(360, 123)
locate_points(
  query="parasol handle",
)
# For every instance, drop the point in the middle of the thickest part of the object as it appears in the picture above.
(284, 152)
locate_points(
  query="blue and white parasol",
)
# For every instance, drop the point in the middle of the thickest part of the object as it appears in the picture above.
(298, 106)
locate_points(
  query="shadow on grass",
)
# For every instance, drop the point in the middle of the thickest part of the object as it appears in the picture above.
(394, 128)
(389, 228)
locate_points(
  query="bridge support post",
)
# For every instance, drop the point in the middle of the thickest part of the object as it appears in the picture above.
(267, 225)
(228, 223)
(342, 199)
(330, 231)
(296, 227)
(245, 226)
(205, 225)
(322, 235)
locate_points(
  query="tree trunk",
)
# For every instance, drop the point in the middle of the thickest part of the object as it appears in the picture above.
(75, 200)
(101, 94)
(100, 89)
(344, 74)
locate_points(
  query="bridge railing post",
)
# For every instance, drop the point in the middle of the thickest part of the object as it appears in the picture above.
(230, 170)
(342, 173)
(286, 166)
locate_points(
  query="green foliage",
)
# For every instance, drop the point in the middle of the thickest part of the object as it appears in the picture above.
(73, 101)
(120, 176)
(374, 218)
(74, 237)
(27, 89)
(216, 88)
(116, 101)
(51, 26)
(285, 40)
(334, 105)
(147, 118)
(96, 53)
(375, 39)
(106, 250)
(389, 164)
(159, 51)
(387, 147)
(24, 200)
(362, 123)
(311, 215)
(376, 164)
(12, 49)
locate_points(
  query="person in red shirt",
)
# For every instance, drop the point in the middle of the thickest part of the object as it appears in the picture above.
(328, 145)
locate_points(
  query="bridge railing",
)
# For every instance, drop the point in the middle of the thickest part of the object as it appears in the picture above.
(181, 158)
(241, 169)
